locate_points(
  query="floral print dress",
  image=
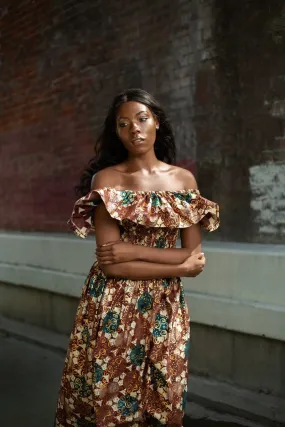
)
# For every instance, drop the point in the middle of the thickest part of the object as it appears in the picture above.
(127, 359)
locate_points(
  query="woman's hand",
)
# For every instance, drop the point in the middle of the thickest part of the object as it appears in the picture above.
(193, 265)
(116, 252)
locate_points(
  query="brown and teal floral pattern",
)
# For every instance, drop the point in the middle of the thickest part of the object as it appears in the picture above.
(128, 405)
(145, 302)
(160, 326)
(96, 286)
(128, 197)
(111, 322)
(171, 209)
(127, 357)
(138, 355)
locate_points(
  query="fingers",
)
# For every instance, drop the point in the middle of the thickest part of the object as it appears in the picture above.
(107, 247)
(201, 263)
(109, 244)
(104, 259)
(104, 256)
(200, 258)
(201, 255)
(104, 249)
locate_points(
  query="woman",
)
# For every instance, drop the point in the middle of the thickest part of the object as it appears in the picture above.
(127, 359)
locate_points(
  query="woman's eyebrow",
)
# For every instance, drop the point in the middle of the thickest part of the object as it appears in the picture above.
(122, 117)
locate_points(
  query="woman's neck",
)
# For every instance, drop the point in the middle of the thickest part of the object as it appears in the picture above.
(148, 163)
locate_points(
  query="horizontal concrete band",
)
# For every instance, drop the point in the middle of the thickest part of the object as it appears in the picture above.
(242, 288)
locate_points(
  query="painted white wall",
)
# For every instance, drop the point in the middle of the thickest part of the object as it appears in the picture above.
(241, 289)
(267, 183)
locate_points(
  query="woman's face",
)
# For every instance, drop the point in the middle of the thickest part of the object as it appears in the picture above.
(136, 127)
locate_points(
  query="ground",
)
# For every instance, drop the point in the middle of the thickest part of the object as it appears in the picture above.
(30, 376)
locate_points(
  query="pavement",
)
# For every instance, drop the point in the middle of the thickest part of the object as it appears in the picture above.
(30, 376)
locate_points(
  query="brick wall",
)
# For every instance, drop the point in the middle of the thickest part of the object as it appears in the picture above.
(61, 63)
(240, 145)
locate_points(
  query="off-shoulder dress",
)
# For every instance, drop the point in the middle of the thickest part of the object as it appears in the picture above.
(127, 358)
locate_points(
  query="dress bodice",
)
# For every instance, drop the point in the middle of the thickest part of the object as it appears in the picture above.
(149, 218)
(157, 237)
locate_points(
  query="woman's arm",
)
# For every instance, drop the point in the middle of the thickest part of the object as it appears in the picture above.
(107, 230)
(117, 252)
(139, 270)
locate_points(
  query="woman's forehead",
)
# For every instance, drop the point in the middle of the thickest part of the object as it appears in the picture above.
(132, 108)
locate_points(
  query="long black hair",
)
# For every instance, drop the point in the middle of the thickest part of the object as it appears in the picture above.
(109, 149)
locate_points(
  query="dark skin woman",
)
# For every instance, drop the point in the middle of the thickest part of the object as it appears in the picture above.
(127, 360)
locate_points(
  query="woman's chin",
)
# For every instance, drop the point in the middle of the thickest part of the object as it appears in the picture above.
(140, 151)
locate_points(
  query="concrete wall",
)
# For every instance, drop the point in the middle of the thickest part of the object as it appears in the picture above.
(237, 305)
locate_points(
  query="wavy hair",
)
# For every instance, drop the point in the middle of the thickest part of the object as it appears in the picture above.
(109, 149)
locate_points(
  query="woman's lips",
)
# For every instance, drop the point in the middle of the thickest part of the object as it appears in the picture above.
(137, 141)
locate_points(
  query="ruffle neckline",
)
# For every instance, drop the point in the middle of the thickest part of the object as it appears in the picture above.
(145, 191)
(161, 208)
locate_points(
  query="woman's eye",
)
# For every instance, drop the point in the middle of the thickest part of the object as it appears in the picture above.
(122, 125)
(143, 119)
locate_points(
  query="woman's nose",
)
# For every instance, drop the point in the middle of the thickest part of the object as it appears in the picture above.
(134, 128)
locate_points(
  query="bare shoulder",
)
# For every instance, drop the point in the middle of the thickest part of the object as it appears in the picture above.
(186, 178)
(108, 177)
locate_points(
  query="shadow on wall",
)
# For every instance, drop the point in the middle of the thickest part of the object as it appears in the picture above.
(245, 124)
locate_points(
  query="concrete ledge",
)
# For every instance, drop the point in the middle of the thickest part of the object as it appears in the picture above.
(59, 282)
(211, 394)
(242, 289)
(237, 315)
(63, 253)
(34, 334)
(243, 272)
(248, 317)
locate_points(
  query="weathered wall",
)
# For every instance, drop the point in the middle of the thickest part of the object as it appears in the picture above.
(248, 91)
(62, 63)
(216, 65)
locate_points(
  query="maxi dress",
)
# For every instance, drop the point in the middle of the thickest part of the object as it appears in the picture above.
(126, 362)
